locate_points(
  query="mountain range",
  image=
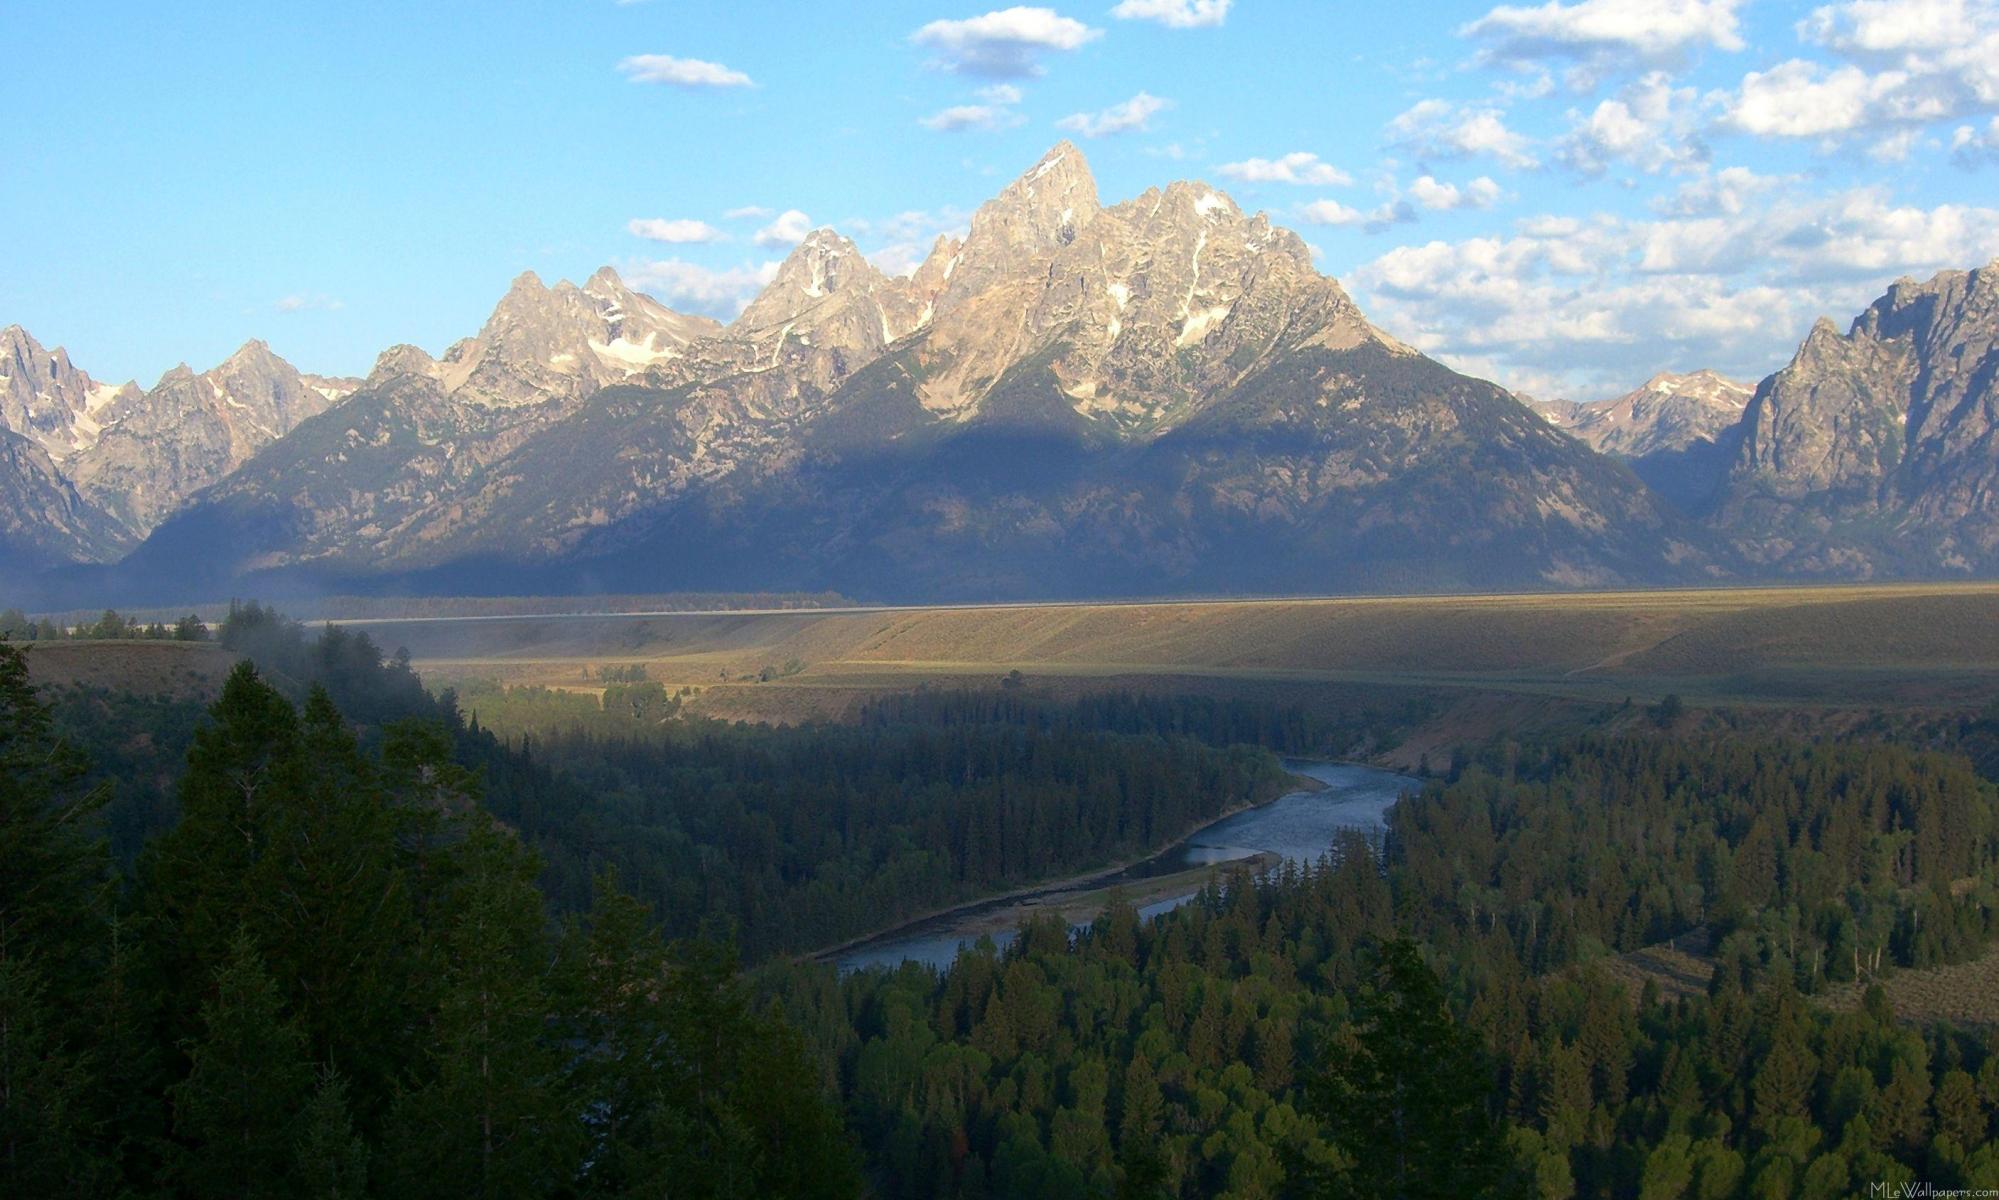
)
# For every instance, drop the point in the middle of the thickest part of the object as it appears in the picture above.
(1158, 396)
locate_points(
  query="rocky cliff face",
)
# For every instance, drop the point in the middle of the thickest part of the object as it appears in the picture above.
(43, 521)
(1159, 395)
(158, 447)
(1875, 451)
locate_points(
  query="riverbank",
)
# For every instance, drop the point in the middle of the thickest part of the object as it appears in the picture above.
(1040, 897)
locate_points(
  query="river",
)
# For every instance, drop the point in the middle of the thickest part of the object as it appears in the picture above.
(1297, 826)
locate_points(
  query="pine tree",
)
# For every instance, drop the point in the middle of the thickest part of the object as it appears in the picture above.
(332, 1159)
(1406, 1101)
(492, 1119)
(53, 878)
(247, 1084)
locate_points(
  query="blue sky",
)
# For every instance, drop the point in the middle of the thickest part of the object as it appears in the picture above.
(1566, 197)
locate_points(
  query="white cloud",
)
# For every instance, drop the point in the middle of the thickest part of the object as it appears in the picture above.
(1299, 167)
(681, 72)
(1646, 30)
(1803, 99)
(906, 237)
(1726, 192)
(1650, 124)
(1176, 14)
(1382, 216)
(1910, 64)
(1000, 93)
(1896, 27)
(788, 229)
(748, 212)
(1004, 44)
(678, 230)
(1430, 194)
(961, 117)
(1732, 282)
(1438, 129)
(1134, 114)
(1970, 148)
(690, 287)
(1331, 212)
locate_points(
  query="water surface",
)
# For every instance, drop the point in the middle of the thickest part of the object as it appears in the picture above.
(1298, 825)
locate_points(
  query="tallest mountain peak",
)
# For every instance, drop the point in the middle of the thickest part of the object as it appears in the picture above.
(1063, 171)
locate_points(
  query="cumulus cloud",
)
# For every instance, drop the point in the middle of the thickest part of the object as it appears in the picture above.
(689, 287)
(1004, 44)
(1909, 64)
(1646, 30)
(1732, 282)
(748, 212)
(1175, 14)
(788, 229)
(681, 72)
(1804, 99)
(1438, 129)
(1299, 167)
(1435, 196)
(1651, 124)
(1134, 115)
(680, 230)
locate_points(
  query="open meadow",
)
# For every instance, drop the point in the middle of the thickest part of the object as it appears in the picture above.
(1494, 660)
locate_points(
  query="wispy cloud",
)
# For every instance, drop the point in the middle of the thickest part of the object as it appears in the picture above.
(1006, 44)
(299, 302)
(1438, 129)
(1134, 115)
(1644, 30)
(681, 72)
(1299, 167)
(1176, 14)
(960, 118)
(681, 230)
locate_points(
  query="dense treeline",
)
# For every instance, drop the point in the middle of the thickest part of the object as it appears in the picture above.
(807, 836)
(334, 976)
(1188, 1052)
(1218, 721)
(109, 626)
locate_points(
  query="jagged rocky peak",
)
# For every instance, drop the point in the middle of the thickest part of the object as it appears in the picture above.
(1031, 218)
(190, 429)
(821, 267)
(560, 342)
(1668, 412)
(402, 359)
(46, 399)
(827, 296)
